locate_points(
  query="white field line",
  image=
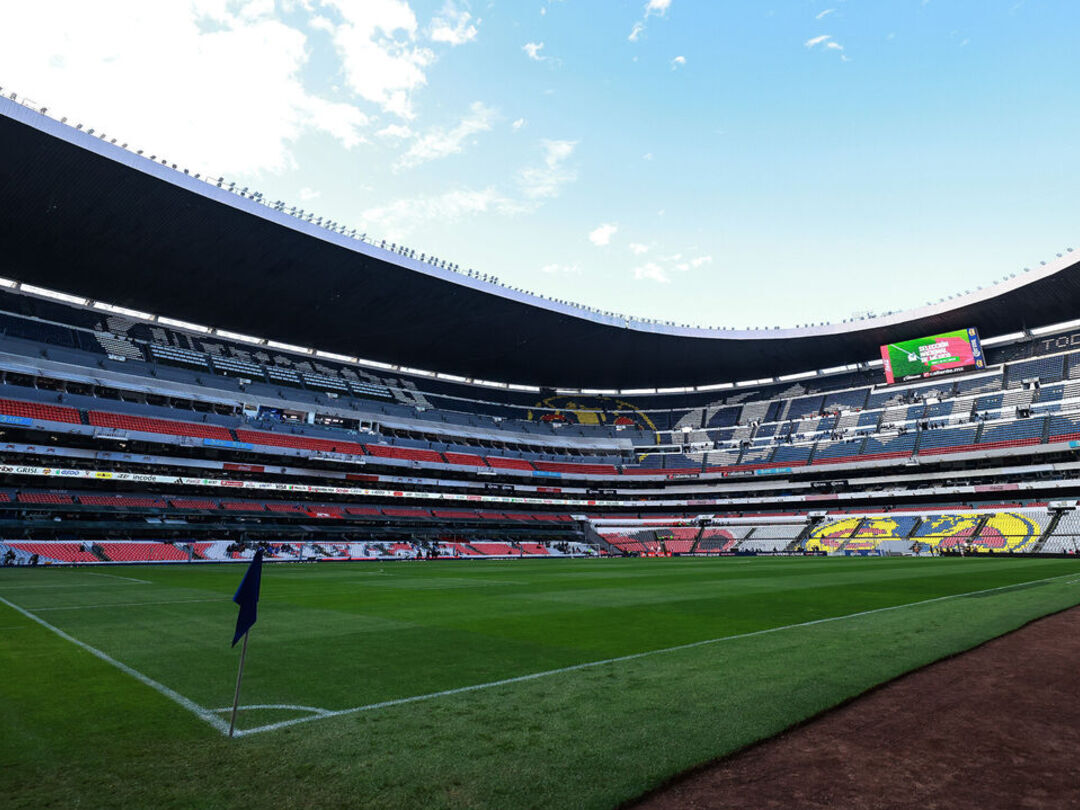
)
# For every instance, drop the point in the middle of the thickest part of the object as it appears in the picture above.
(134, 604)
(74, 585)
(200, 712)
(117, 576)
(618, 659)
(286, 706)
(209, 716)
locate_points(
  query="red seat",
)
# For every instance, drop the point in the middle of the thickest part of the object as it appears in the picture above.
(405, 511)
(299, 442)
(501, 462)
(45, 497)
(455, 514)
(407, 453)
(121, 500)
(61, 552)
(285, 507)
(494, 548)
(142, 552)
(192, 503)
(465, 459)
(36, 410)
(575, 469)
(145, 424)
(243, 506)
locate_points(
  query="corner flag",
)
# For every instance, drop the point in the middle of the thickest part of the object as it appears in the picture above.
(247, 597)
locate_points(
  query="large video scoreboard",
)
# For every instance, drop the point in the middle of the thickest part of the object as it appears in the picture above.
(931, 356)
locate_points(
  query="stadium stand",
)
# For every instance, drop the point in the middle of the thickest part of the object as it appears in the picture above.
(126, 433)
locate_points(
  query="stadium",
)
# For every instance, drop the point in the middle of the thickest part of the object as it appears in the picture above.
(560, 568)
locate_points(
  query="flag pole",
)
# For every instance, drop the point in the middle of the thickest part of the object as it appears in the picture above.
(239, 677)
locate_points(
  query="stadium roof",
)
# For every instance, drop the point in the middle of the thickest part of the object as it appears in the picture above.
(87, 217)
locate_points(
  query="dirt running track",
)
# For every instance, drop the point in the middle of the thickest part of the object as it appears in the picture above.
(998, 727)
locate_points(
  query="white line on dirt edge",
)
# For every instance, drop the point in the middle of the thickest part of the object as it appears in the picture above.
(200, 712)
(618, 659)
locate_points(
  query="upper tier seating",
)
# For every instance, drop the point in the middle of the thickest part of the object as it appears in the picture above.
(575, 469)
(408, 453)
(144, 424)
(464, 459)
(500, 462)
(299, 442)
(39, 411)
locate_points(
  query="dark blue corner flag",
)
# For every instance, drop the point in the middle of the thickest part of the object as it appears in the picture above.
(247, 597)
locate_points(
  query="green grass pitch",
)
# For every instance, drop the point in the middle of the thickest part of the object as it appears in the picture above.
(76, 730)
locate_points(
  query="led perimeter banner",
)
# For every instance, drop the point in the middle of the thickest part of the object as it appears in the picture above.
(930, 356)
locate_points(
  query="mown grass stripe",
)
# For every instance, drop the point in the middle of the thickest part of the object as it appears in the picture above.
(631, 657)
(193, 707)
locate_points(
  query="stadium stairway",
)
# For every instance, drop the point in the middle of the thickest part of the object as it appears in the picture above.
(1048, 532)
(802, 537)
(697, 539)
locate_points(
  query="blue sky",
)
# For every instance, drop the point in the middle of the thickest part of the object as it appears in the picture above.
(726, 163)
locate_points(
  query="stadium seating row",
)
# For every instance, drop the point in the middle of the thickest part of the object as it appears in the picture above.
(109, 551)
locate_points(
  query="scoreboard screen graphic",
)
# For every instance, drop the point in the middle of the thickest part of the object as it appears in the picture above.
(931, 356)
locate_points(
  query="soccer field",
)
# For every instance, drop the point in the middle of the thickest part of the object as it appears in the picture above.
(594, 680)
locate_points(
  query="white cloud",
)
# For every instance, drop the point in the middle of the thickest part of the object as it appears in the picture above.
(398, 219)
(532, 50)
(376, 42)
(692, 264)
(561, 269)
(653, 8)
(827, 43)
(657, 7)
(453, 25)
(637, 248)
(661, 269)
(824, 14)
(308, 194)
(215, 88)
(395, 131)
(678, 62)
(651, 271)
(518, 124)
(543, 182)
(601, 236)
(440, 143)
